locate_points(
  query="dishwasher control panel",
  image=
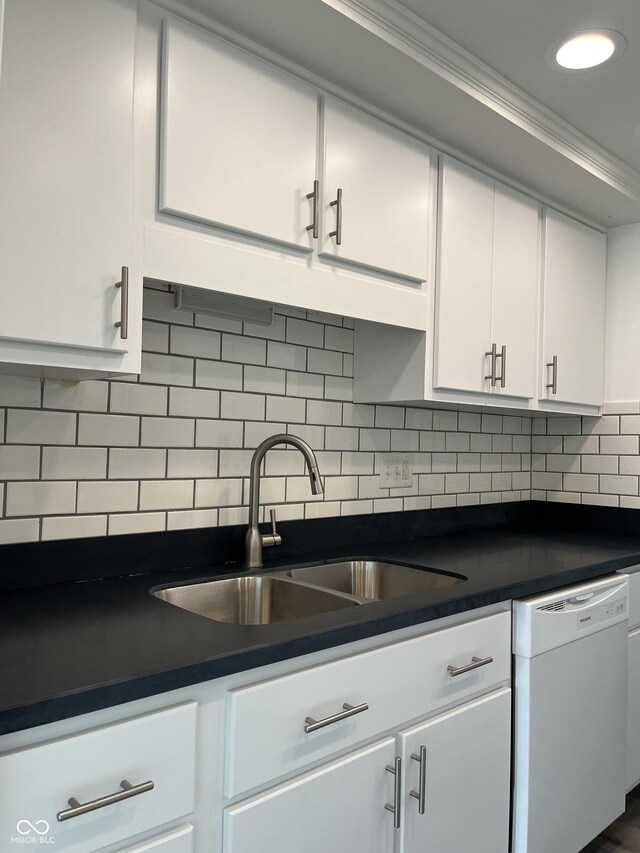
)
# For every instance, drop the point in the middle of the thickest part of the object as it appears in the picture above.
(546, 622)
(603, 613)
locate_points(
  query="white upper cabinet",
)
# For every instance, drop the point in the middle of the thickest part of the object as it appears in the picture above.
(465, 250)
(515, 288)
(238, 139)
(66, 129)
(572, 366)
(375, 193)
(487, 288)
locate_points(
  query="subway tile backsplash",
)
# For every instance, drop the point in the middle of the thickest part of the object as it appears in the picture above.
(588, 460)
(171, 448)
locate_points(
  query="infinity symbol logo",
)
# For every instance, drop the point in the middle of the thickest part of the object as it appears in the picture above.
(25, 827)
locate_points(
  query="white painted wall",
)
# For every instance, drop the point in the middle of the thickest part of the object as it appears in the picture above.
(622, 381)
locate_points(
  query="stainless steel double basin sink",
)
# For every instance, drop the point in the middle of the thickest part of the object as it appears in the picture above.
(297, 592)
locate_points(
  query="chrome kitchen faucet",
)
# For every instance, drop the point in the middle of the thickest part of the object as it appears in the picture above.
(255, 541)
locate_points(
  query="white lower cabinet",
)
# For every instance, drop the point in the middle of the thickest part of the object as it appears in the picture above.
(633, 684)
(338, 807)
(144, 766)
(178, 841)
(452, 797)
(458, 766)
(310, 755)
(633, 718)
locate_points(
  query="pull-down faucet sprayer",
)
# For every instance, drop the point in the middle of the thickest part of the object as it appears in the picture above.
(255, 541)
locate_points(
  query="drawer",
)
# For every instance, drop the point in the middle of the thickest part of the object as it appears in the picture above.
(177, 841)
(266, 736)
(37, 782)
(634, 597)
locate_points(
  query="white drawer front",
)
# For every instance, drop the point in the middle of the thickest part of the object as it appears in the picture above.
(634, 598)
(37, 782)
(400, 682)
(177, 841)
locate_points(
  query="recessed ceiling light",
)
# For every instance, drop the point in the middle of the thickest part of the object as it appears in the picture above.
(584, 50)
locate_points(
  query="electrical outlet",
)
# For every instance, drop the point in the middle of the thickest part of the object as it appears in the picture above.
(396, 470)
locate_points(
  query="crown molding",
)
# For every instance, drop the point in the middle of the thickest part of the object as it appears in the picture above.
(410, 34)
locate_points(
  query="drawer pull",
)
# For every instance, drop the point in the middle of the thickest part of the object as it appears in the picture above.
(475, 664)
(128, 790)
(349, 711)
(394, 807)
(421, 794)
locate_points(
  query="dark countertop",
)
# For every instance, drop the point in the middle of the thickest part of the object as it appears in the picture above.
(73, 647)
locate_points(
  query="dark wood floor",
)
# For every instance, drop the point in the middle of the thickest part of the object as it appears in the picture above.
(623, 836)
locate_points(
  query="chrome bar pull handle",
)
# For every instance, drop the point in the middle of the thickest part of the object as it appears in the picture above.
(123, 322)
(492, 373)
(503, 367)
(396, 806)
(337, 203)
(128, 791)
(269, 540)
(476, 663)
(553, 364)
(314, 209)
(349, 711)
(421, 794)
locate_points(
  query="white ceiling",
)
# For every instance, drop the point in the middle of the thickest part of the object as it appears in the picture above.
(568, 137)
(512, 37)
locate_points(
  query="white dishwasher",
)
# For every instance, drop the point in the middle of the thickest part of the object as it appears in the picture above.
(570, 717)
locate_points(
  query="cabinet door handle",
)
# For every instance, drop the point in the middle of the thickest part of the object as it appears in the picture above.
(349, 711)
(395, 807)
(492, 373)
(503, 367)
(123, 322)
(475, 664)
(314, 209)
(338, 206)
(128, 791)
(421, 794)
(553, 364)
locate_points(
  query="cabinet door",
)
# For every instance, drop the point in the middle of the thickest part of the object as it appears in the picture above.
(238, 139)
(66, 113)
(514, 294)
(467, 779)
(175, 841)
(633, 718)
(384, 206)
(463, 312)
(573, 324)
(340, 806)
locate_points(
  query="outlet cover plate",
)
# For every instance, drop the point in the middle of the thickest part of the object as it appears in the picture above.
(396, 470)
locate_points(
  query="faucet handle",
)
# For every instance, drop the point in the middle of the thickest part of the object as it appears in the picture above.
(269, 540)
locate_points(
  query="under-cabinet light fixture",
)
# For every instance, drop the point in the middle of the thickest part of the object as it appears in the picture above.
(222, 305)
